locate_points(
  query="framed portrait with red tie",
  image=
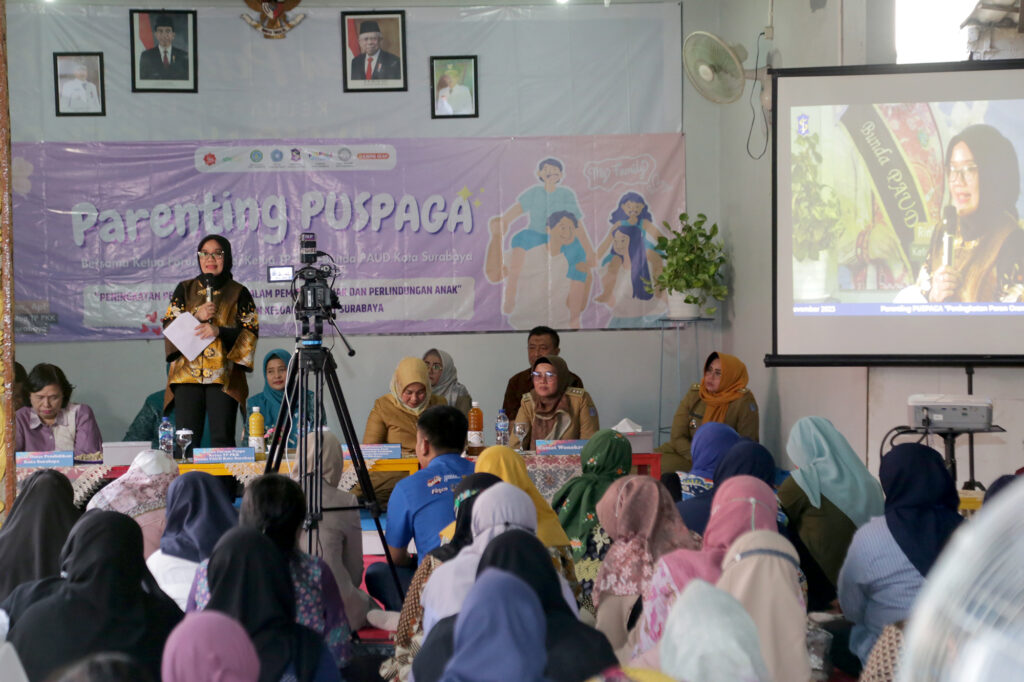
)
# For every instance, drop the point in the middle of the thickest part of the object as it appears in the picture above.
(163, 50)
(373, 51)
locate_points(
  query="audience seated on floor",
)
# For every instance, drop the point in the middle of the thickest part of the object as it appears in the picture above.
(141, 493)
(826, 499)
(643, 524)
(275, 505)
(422, 504)
(198, 513)
(35, 530)
(606, 457)
(209, 645)
(409, 628)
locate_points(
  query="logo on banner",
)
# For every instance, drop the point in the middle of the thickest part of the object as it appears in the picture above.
(255, 156)
(210, 159)
(271, 19)
(277, 156)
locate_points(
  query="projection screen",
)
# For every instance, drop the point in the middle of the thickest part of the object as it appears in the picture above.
(897, 216)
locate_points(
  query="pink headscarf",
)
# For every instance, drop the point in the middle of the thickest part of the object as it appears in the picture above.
(741, 504)
(639, 515)
(210, 646)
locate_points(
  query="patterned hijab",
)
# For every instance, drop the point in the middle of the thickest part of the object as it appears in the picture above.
(638, 514)
(606, 457)
(734, 380)
(745, 457)
(410, 371)
(827, 465)
(142, 489)
(506, 464)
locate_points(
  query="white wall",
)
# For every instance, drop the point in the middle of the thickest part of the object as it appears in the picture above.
(550, 70)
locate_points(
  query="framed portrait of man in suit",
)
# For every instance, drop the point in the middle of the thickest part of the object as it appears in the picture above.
(373, 51)
(163, 51)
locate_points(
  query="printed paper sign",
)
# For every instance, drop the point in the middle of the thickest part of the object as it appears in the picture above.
(377, 451)
(560, 447)
(45, 460)
(223, 455)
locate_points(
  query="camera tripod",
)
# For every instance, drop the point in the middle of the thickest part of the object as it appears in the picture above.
(316, 365)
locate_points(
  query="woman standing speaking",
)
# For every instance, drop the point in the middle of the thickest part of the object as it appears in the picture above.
(213, 384)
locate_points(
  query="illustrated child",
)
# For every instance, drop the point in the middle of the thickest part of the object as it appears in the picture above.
(537, 203)
(634, 219)
(563, 242)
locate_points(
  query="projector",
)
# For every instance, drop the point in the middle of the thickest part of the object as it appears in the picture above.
(938, 412)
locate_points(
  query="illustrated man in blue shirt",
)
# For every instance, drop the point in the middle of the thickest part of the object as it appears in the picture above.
(424, 503)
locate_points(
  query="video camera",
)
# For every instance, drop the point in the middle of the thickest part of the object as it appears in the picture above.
(314, 300)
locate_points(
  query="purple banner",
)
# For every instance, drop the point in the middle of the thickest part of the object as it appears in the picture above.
(441, 235)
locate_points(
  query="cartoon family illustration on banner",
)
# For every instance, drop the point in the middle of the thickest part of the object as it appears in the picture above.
(550, 267)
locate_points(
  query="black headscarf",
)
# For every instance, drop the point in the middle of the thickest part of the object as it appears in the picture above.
(38, 524)
(998, 177)
(250, 581)
(198, 514)
(465, 496)
(575, 651)
(745, 458)
(921, 502)
(106, 601)
(225, 275)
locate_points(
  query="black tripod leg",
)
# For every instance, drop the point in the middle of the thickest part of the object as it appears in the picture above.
(356, 454)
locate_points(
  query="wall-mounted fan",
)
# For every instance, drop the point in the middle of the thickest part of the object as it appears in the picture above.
(714, 67)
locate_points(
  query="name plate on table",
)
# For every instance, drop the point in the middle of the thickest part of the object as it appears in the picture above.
(377, 450)
(560, 447)
(223, 455)
(45, 460)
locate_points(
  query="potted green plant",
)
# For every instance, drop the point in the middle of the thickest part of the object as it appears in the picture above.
(816, 220)
(692, 273)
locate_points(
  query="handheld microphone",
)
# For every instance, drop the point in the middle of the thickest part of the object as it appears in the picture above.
(207, 280)
(948, 230)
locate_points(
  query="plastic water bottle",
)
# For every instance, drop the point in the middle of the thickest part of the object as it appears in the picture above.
(501, 428)
(166, 431)
(256, 431)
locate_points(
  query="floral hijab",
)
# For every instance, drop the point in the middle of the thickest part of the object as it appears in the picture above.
(142, 489)
(638, 514)
(606, 457)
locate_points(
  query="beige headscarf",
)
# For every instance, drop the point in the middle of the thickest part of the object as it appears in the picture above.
(332, 462)
(760, 570)
(410, 371)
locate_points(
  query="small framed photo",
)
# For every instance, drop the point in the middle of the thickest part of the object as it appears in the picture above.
(453, 93)
(163, 52)
(78, 84)
(373, 51)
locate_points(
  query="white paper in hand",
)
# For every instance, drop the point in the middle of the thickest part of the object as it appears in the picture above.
(182, 333)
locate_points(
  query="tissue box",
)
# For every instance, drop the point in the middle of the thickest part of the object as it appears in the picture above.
(641, 441)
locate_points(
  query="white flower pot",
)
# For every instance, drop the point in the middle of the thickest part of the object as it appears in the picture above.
(679, 309)
(810, 278)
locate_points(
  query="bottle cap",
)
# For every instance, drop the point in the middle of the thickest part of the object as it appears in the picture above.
(255, 409)
(476, 404)
(501, 410)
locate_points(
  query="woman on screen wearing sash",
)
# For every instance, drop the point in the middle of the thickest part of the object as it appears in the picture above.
(214, 383)
(977, 252)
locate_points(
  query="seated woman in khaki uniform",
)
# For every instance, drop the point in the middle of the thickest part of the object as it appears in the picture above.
(553, 410)
(721, 396)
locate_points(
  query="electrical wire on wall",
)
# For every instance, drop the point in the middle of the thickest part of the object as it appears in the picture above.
(758, 86)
